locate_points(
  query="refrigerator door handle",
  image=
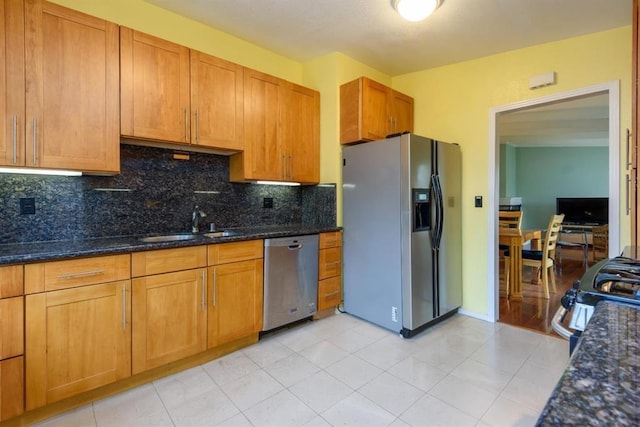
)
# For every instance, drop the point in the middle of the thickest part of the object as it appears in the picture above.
(437, 235)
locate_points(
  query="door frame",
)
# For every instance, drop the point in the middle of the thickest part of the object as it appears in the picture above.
(615, 182)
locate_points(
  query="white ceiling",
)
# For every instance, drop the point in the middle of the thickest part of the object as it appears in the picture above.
(371, 32)
(581, 121)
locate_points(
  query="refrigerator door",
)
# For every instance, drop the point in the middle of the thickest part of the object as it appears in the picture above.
(372, 223)
(418, 290)
(449, 169)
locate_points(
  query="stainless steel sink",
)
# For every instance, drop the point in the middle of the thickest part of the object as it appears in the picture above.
(223, 233)
(167, 238)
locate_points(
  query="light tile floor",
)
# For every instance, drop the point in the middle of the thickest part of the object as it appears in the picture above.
(341, 371)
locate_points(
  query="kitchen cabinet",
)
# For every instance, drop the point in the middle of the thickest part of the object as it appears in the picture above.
(235, 289)
(173, 94)
(370, 110)
(282, 132)
(216, 102)
(154, 89)
(169, 306)
(11, 342)
(78, 326)
(330, 270)
(71, 113)
(632, 174)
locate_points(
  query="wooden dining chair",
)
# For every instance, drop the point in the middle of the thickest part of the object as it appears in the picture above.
(509, 219)
(544, 259)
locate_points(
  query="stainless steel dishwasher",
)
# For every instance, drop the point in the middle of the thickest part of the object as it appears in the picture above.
(290, 279)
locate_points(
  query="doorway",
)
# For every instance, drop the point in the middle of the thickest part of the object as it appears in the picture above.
(612, 91)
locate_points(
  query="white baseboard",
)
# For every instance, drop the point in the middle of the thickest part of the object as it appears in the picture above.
(480, 316)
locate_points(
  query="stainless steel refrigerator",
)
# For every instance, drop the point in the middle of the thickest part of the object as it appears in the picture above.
(402, 231)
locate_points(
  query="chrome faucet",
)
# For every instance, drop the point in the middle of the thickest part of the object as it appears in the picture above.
(195, 216)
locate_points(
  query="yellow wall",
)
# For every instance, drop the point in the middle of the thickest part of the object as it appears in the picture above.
(452, 104)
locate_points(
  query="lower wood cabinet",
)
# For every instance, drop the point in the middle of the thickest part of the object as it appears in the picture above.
(235, 291)
(235, 306)
(11, 387)
(169, 317)
(330, 270)
(76, 340)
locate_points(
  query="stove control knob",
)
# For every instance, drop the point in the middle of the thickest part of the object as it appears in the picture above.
(576, 284)
(569, 299)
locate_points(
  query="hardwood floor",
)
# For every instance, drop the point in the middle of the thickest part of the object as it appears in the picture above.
(533, 311)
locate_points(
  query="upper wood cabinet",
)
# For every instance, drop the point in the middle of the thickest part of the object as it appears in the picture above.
(173, 94)
(154, 88)
(216, 102)
(282, 132)
(60, 104)
(632, 176)
(370, 110)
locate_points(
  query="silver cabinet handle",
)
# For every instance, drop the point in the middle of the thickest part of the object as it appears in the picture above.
(15, 139)
(186, 124)
(35, 141)
(124, 306)
(628, 207)
(197, 127)
(332, 294)
(291, 167)
(204, 284)
(214, 286)
(80, 274)
(629, 163)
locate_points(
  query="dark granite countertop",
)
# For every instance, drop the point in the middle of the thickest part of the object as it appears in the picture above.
(601, 384)
(54, 250)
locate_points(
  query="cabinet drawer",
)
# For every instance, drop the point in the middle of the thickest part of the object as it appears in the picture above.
(224, 253)
(11, 387)
(11, 327)
(11, 281)
(55, 275)
(330, 239)
(330, 263)
(329, 292)
(167, 260)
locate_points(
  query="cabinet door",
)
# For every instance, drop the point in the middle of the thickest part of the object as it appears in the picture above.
(401, 112)
(375, 115)
(12, 83)
(11, 387)
(302, 134)
(169, 318)
(11, 327)
(154, 88)
(72, 98)
(263, 153)
(329, 292)
(235, 303)
(76, 340)
(330, 262)
(216, 102)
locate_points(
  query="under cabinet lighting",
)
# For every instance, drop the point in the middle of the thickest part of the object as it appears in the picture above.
(28, 171)
(291, 184)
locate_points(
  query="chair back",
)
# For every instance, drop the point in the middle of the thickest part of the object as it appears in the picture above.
(600, 241)
(551, 237)
(510, 219)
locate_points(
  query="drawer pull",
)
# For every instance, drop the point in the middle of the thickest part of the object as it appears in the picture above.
(331, 294)
(81, 274)
(332, 263)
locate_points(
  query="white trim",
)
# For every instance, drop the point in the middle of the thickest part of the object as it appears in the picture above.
(613, 89)
(475, 315)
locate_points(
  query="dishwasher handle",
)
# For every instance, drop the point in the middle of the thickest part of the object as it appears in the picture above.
(295, 247)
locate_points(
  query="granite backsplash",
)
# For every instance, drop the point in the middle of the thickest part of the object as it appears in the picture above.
(154, 193)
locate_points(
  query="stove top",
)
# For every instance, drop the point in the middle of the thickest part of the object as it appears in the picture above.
(616, 278)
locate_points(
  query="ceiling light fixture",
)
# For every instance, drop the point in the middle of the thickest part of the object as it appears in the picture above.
(415, 10)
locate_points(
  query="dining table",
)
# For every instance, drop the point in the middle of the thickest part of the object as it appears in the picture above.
(515, 238)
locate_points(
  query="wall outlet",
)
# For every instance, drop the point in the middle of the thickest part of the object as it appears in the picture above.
(267, 202)
(27, 206)
(394, 314)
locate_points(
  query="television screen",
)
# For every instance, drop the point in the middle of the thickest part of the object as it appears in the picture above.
(583, 210)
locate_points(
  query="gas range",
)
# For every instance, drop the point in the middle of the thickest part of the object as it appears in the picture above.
(615, 279)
